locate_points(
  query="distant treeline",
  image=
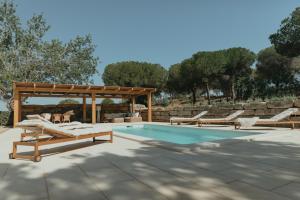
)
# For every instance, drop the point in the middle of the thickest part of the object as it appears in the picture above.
(236, 73)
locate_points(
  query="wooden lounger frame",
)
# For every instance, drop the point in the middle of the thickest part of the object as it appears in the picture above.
(179, 121)
(191, 120)
(206, 122)
(39, 140)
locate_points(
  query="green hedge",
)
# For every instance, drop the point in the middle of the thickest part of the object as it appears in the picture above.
(5, 118)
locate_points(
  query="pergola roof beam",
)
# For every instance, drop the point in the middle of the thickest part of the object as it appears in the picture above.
(80, 89)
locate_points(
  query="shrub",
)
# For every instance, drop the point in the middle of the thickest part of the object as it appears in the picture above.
(68, 101)
(5, 118)
(107, 101)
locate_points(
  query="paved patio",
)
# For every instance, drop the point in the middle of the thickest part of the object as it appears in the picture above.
(2, 129)
(267, 168)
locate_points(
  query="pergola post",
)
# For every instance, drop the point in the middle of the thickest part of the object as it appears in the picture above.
(84, 109)
(133, 104)
(149, 102)
(20, 108)
(93, 108)
(16, 107)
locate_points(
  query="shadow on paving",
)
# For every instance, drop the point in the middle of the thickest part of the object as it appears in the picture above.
(244, 170)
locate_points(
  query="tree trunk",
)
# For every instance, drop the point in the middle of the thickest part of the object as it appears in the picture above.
(207, 93)
(194, 96)
(233, 89)
(277, 89)
(227, 96)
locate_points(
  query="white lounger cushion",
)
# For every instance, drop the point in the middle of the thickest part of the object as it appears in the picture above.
(228, 118)
(54, 127)
(247, 122)
(97, 128)
(74, 125)
(37, 117)
(288, 112)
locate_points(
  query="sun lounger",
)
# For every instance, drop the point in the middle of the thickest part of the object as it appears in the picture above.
(45, 133)
(39, 117)
(225, 120)
(133, 119)
(180, 120)
(69, 126)
(275, 120)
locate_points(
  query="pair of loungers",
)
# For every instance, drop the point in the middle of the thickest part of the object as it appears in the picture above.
(42, 132)
(198, 119)
(239, 122)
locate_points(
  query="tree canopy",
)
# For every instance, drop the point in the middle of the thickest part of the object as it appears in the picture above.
(107, 101)
(174, 83)
(135, 74)
(274, 70)
(26, 56)
(189, 77)
(208, 70)
(287, 38)
(209, 66)
(69, 101)
(238, 65)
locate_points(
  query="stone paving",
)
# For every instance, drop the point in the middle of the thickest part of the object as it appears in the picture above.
(2, 129)
(267, 168)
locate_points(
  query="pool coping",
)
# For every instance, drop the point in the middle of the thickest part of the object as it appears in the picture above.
(188, 148)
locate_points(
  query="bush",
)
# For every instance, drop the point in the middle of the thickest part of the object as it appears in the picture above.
(5, 118)
(68, 101)
(107, 101)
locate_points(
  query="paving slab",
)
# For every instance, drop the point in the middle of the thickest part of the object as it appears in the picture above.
(242, 191)
(186, 190)
(107, 177)
(256, 177)
(291, 191)
(189, 171)
(3, 169)
(129, 190)
(71, 184)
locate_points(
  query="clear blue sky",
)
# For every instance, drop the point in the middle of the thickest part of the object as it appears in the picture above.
(160, 31)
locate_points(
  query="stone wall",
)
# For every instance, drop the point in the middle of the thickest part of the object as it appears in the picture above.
(262, 110)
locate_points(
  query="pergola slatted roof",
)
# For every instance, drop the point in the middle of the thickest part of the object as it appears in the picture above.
(44, 89)
(30, 89)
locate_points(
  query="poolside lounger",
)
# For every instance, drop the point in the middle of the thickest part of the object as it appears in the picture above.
(180, 120)
(39, 117)
(225, 120)
(133, 119)
(275, 120)
(72, 125)
(44, 133)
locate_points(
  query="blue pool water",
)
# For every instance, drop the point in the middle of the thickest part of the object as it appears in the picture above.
(179, 135)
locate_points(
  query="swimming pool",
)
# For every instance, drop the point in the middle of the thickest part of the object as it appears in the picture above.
(179, 135)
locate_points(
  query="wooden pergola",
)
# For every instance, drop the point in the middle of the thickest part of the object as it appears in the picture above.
(28, 89)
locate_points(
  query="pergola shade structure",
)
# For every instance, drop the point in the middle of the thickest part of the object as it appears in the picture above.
(26, 89)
